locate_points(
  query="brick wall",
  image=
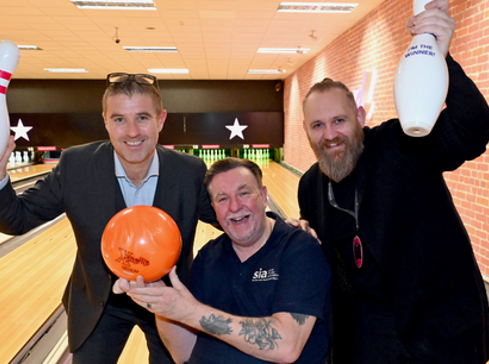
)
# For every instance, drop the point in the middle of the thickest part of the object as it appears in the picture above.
(377, 43)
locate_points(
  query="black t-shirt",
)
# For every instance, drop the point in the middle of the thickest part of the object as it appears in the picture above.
(288, 274)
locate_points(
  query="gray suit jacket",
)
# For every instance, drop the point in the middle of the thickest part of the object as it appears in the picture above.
(84, 186)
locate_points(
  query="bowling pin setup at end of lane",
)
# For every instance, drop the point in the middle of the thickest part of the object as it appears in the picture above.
(421, 82)
(9, 59)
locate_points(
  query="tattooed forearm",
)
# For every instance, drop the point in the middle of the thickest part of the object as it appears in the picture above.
(216, 325)
(300, 318)
(260, 332)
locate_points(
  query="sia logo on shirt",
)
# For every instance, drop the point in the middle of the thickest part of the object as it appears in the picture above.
(265, 275)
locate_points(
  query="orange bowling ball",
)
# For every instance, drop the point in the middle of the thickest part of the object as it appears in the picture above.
(141, 241)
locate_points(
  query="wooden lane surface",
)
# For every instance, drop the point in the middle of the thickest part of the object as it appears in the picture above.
(20, 173)
(282, 185)
(32, 281)
(282, 188)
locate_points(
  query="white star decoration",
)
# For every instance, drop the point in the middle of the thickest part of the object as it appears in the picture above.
(21, 130)
(236, 129)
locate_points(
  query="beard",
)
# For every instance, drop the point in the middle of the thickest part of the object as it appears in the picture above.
(339, 164)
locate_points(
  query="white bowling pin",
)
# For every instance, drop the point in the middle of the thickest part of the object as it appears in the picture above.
(9, 58)
(421, 83)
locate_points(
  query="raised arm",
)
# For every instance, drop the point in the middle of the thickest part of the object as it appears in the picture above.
(4, 159)
(434, 20)
(462, 130)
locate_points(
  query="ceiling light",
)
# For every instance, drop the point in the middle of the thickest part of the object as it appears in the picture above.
(268, 72)
(283, 50)
(297, 7)
(115, 4)
(66, 70)
(169, 70)
(29, 47)
(150, 49)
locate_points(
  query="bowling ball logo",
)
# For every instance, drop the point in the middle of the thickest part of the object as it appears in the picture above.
(141, 241)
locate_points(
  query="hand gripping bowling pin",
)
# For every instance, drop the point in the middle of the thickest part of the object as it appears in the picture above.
(9, 58)
(421, 82)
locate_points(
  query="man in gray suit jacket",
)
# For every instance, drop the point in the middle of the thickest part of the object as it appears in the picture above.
(91, 183)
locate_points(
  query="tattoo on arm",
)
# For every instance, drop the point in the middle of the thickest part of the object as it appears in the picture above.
(300, 318)
(216, 325)
(260, 332)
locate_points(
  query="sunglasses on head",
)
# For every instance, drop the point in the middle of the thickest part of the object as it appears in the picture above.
(140, 78)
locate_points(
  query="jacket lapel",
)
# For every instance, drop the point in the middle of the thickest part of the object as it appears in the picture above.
(106, 187)
(166, 197)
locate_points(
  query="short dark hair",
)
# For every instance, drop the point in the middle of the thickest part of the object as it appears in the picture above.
(328, 84)
(230, 163)
(131, 88)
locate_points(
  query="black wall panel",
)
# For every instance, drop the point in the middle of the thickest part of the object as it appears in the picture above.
(68, 112)
(182, 130)
(80, 96)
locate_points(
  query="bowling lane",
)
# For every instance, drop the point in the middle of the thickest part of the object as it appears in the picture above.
(282, 185)
(21, 172)
(32, 281)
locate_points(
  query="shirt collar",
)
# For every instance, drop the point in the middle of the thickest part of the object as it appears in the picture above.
(154, 169)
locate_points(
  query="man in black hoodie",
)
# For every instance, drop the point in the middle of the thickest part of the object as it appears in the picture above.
(406, 287)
